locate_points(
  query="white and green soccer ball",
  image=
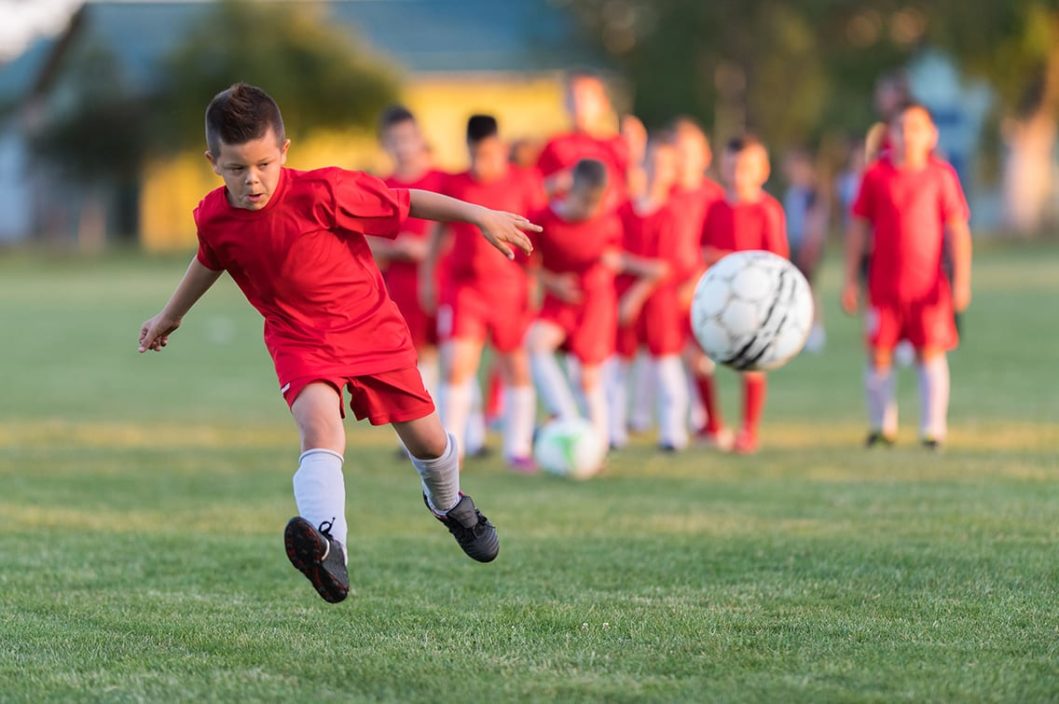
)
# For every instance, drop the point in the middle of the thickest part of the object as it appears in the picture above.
(569, 448)
(752, 311)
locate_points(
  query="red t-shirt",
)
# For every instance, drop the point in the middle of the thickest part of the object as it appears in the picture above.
(577, 247)
(303, 263)
(691, 207)
(565, 150)
(473, 260)
(741, 226)
(405, 274)
(655, 235)
(907, 210)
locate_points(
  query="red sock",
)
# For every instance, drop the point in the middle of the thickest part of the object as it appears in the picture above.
(753, 401)
(708, 394)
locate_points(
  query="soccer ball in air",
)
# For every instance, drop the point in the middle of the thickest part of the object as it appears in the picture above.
(752, 311)
(569, 447)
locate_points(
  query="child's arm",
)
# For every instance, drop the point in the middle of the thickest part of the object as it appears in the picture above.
(650, 273)
(428, 270)
(856, 243)
(500, 228)
(711, 255)
(960, 239)
(154, 334)
(563, 286)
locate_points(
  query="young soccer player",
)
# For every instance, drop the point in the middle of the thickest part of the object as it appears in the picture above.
(806, 210)
(907, 201)
(747, 218)
(294, 241)
(486, 295)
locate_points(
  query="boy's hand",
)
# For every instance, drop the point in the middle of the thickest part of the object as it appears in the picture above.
(961, 296)
(503, 229)
(629, 308)
(154, 333)
(410, 248)
(851, 297)
(565, 288)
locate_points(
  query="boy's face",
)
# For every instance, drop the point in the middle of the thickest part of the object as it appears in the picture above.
(913, 134)
(583, 202)
(488, 158)
(587, 101)
(747, 170)
(798, 169)
(251, 170)
(694, 155)
(403, 142)
(661, 167)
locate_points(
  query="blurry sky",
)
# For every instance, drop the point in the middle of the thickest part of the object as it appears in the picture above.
(23, 20)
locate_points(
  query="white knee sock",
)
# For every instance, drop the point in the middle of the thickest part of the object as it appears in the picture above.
(441, 477)
(520, 409)
(552, 385)
(320, 490)
(672, 390)
(596, 400)
(616, 381)
(882, 406)
(454, 411)
(934, 398)
(428, 369)
(644, 393)
(696, 410)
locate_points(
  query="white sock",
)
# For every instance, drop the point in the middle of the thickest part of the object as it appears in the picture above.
(441, 477)
(643, 394)
(596, 401)
(882, 406)
(428, 369)
(552, 385)
(934, 398)
(696, 411)
(520, 409)
(672, 392)
(455, 410)
(474, 436)
(320, 490)
(616, 381)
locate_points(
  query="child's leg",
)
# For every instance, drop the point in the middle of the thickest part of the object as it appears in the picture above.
(435, 456)
(520, 405)
(702, 369)
(461, 361)
(319, 488)
(672, 393)
(754, 388)
(616, 374)
(474, 438)
(933, 394)
(879, 388)
(595, 399)
(542, 340)
(644, 394)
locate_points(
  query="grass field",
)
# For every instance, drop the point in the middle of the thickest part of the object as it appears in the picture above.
(142, 501)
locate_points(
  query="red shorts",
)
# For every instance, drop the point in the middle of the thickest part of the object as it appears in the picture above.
(387, 397)
(403, 287)
(501, 315)
(661, 327)
(589, 325)
(925, 324)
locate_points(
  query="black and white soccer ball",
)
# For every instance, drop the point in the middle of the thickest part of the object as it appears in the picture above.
(752, 311)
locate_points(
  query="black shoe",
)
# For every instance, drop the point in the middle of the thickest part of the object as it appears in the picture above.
(932, 444)
(473, 531)
(319, 557)
(876, 438)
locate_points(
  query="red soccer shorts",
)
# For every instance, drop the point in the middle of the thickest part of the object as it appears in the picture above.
(589, 325)
(387, 397)
(502, 315)
(925, 324)
(661, 327)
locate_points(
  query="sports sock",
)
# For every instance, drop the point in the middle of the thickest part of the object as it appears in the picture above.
(672, 394)
(428, 369)
(644, 394)
(708, 393)
(520, 406)
(754, 387)
(441, 477)
(494, 396)
(475, 435)
(552, 385)
(934, 398)
(320, 490)
(615, 379)
(596, 401)
(455, 410)
(882, 406)
(696, 410)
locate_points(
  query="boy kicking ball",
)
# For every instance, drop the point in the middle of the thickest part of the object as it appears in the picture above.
(294, 241)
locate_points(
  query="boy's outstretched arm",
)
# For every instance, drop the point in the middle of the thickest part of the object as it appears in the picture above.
(960, 241)
(154, 333)
(500, 228)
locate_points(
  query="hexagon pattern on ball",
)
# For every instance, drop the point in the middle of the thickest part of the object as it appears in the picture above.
(752, 311)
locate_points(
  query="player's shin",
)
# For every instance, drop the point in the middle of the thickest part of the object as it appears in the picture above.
(615, 380)
(320, 490)
(934, 398)
(552, 385)
(672, 391)
(882, 406)
(520, 410)
(455, 409)
(440, 477)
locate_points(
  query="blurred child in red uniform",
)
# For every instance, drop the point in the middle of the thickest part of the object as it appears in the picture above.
(747, 218)
(294, 241)
(487, 295)
(907, 201)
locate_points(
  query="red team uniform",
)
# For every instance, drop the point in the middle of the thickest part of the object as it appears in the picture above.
(302, 261)
(693, 205)
(564, 151)
(487, 294)
(908, 291)
(402, 277)
(566, 247)
(741, 226)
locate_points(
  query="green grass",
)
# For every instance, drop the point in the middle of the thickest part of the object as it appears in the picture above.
(142, 501)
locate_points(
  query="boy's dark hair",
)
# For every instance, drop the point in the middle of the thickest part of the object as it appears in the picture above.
(394, 115)
(239, 114)
(913, 105)
(481, 127)
(745, 141)
(590, 173)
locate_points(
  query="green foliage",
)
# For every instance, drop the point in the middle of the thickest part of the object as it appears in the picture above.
(319, 75)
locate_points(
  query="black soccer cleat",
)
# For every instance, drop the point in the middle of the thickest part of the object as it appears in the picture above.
(932, 444)
(878, 439)
(318, 556)
(473, 531)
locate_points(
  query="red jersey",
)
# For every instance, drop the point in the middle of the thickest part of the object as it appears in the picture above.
(652, 236)
(564, 151)
(691, 207)
(303, 263)
(472, 258)
(907, 210)
(577, 247)
(405, 273)
(741, 226)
